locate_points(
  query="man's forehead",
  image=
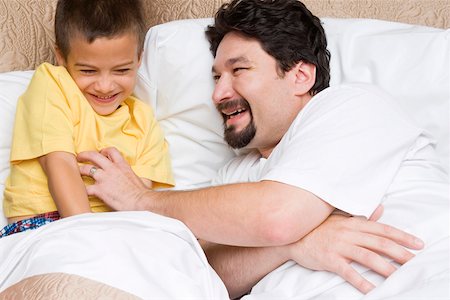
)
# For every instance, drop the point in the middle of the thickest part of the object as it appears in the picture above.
(235, 48)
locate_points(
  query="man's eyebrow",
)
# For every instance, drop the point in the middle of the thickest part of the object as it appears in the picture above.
(232, 61)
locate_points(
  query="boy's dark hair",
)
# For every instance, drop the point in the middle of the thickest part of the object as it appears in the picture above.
(98, 18)
(286, 30)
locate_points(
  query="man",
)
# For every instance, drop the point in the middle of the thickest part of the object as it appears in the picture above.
(315, 150)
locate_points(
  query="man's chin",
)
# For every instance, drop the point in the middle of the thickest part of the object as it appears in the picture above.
(239, 139)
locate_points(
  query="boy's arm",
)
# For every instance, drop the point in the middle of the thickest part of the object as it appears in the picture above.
(65, 183)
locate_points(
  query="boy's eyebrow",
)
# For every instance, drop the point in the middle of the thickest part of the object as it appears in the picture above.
(232, 61)
(86, 65)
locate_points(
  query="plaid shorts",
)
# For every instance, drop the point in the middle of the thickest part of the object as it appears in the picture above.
(31, 223)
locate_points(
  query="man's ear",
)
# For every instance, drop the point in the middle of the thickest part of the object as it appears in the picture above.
(59, 57)
(305, 77)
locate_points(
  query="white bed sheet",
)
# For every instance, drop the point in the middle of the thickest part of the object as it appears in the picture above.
(139, 252)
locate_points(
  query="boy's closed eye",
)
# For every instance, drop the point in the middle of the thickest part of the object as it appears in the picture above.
(87, 71)
(123, 71)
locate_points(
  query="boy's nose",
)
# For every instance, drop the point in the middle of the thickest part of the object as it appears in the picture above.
(104, 84)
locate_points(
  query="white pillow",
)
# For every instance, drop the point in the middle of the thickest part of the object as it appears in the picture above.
(410, 62)
(175, 78)
(12, 85)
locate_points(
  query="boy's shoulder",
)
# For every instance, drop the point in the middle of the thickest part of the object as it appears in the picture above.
(138, 103)
(48, 68)
(139, 107)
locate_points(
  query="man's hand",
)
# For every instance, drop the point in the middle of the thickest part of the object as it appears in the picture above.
(340, 240)
(115, 182)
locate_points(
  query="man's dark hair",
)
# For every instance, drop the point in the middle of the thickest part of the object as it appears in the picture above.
(286, 30)
(98, 18)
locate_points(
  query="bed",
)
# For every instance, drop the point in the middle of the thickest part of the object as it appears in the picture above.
(132, 255)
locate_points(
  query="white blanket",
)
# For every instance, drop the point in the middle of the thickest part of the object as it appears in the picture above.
(139, 252)
(153, 256)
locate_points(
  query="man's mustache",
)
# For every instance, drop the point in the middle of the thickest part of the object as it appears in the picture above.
(233, 104)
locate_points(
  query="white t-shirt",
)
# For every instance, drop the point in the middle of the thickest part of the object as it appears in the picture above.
(352, 147)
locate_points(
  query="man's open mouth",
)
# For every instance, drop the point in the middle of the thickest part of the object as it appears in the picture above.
(232, 114)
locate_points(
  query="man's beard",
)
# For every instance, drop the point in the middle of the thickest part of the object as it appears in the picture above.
(242, 138)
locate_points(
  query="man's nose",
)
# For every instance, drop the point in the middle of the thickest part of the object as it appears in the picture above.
(223, 90)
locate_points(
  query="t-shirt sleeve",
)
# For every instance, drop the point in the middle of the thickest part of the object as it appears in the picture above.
(43, 121)
(345, 148)
(153, 160)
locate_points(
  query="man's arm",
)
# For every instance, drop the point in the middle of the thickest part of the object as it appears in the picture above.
(330, 247)
(116, 183)
(240, 268)
(265, 213)
(65, 183)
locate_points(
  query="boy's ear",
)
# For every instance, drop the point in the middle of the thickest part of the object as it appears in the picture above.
(140, 58)
(59, 57)
(305, 77)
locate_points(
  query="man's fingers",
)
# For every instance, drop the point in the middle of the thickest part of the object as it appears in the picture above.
(346, 271)
(95, 158)
(85, 169)
(377, 213)
(112, 154)
(386, 247)
(90, 190)
(391, 233)
(371, 260)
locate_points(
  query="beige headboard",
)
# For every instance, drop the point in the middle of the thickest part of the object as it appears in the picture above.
(26, 26)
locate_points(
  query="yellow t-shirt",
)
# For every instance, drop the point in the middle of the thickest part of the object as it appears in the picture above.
(53, 115)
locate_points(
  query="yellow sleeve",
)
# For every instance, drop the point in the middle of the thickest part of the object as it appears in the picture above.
(153, 159)
(44, 120)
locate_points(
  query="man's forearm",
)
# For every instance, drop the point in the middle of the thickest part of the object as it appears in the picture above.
(250, 214)
(240, 268)
(265, 213)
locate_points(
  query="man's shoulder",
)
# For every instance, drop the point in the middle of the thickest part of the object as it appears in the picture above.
(352, 95)
(242, 168)
(351, 89)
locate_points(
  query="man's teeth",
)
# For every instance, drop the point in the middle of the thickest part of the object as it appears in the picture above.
(235, 112)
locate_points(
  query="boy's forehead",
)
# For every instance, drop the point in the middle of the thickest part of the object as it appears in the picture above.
(77, 35)
(81, 41)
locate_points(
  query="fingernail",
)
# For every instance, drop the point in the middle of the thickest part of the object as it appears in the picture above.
(418, 242)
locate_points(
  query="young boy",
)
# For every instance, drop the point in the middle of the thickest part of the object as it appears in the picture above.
(83, 104)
